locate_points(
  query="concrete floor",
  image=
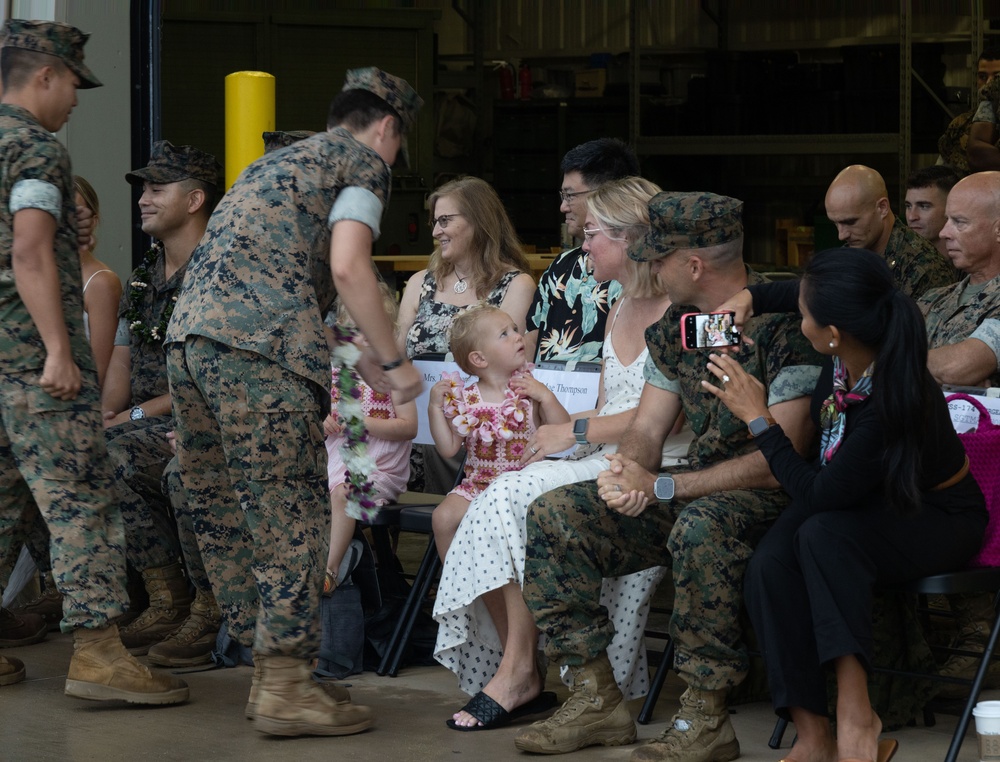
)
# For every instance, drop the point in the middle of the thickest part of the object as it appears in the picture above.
(37, 722)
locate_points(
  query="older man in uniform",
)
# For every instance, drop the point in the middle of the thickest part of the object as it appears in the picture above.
(963, 328)
(51, 439)
(707, 515)
(857, 203)
(250, 375)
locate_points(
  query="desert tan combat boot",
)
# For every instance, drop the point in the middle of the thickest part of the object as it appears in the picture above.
(169, 606)
(101, 669)
(595, 714)
(290, 703)
(192, 643)
(338, 693)
(699, 732)
(11, 670)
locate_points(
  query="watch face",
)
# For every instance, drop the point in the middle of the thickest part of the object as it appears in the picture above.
(759, 426)
(137, 413)
(579, 425)
(663, 488)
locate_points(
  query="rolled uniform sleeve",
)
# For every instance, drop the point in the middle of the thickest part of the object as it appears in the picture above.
(793, 382)
(988, 332)
(360, 205)
(652, 375)
(36, 194)
(985, 113)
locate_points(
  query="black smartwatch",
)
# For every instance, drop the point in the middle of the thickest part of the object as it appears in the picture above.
(760, 424)
(580, 430)
(663, 487)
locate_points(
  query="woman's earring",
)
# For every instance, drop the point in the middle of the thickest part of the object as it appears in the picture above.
(832, 344)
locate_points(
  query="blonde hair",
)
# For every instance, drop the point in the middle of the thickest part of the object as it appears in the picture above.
(623, 206)
(90, 200)
(495, 246)
(466, 333)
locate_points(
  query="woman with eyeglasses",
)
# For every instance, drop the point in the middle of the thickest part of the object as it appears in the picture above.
(477, 258)
(493, 654)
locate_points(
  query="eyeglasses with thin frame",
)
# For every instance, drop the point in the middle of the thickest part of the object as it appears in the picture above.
(444, 220)
(589, 233)
(567, 196)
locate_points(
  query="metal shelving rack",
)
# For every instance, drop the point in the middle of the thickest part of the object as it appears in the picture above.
(797, 144)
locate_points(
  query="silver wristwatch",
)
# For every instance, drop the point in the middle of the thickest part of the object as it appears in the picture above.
(136, 413)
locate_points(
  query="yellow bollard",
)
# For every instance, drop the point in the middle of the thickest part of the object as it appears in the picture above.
(249, 113)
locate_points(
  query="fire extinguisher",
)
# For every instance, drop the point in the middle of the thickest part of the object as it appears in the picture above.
(524, 81)
(507, 82)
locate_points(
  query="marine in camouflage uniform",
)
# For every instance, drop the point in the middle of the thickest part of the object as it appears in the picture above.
(574, 538)
(916, 264)
(52, 451)
(249, 369)
(52, 448)
(964, 311)
(138, 447)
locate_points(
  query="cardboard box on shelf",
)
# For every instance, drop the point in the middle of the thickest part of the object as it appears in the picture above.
(590, 83)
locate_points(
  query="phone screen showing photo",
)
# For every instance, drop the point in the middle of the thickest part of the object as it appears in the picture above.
(705, 330)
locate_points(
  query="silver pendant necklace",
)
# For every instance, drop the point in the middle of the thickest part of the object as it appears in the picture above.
(460, 286)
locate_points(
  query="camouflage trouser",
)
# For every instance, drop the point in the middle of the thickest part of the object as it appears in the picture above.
(174, 490)
(575, 540)
(52, 454)
(139, 451)
(253, 463)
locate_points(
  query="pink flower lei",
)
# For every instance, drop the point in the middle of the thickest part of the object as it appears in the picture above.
(482, 424)
(359, 465)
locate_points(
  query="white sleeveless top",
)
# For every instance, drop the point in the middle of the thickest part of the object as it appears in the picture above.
(86, 317)
(622, 389)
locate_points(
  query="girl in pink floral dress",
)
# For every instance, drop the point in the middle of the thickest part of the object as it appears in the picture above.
(494, 416)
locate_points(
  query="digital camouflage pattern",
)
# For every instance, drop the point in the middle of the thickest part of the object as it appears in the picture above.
(393, 90)
(172, 487)
(53, 38)
(688, 221)
(570, 310)
(139, 452)
(260, 279)
(171, 164)
(280, 139)
(574, 539)
(253, 464)
(148, 372)
(781, 357)
(28, 152)
(954, 141)
(52, 451)
(949, 321)
(916, 265)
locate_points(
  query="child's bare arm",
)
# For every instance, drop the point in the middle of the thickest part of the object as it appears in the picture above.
(548, 409)
(446, 439)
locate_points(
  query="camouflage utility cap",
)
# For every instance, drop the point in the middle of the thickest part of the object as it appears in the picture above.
(171, 164)
(393, 90)
(282, 138)
(63, 41)
(688, 221)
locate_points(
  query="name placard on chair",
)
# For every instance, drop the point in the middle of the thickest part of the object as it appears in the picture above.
(575, 389)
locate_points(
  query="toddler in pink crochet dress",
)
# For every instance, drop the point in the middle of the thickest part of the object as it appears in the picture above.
(494, 416)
